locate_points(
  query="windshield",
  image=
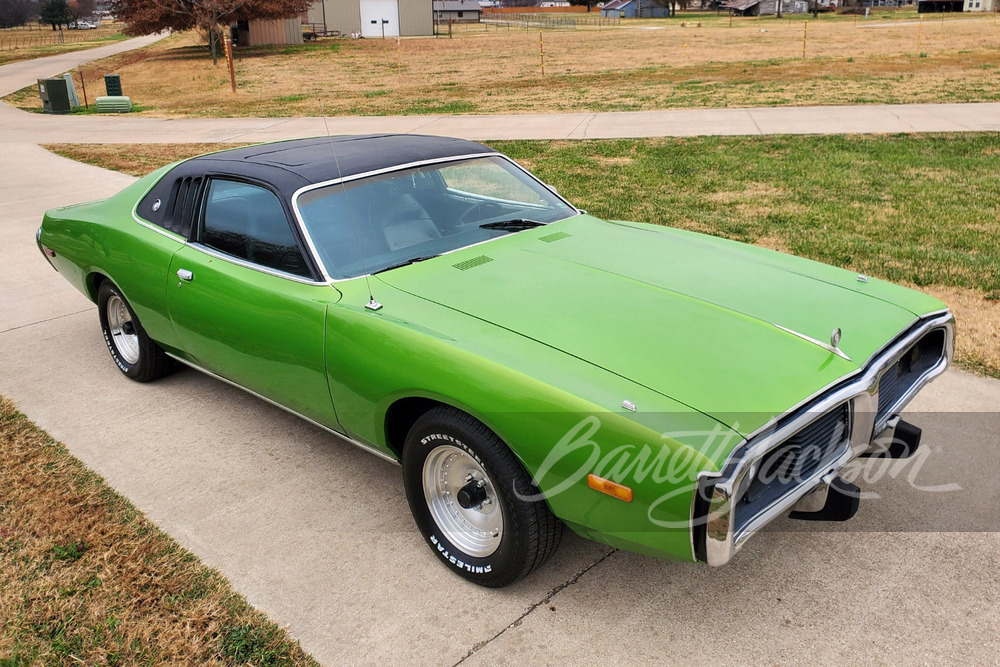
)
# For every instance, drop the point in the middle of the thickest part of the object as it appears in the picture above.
(376, 223)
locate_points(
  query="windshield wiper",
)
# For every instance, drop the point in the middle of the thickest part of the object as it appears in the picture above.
(406, 263)
(514, 224)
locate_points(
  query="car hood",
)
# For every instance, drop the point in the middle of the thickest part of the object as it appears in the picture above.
(716, 325)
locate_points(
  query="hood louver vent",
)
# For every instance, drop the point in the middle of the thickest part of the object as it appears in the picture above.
(555, 236)
(473, 263)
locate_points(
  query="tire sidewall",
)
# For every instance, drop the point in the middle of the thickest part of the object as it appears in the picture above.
(501, 567)
(106, 291)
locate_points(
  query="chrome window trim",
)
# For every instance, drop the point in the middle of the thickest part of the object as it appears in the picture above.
(233, 259)
(387, 170)
(216, 253)
(368, 448)
(862, 395)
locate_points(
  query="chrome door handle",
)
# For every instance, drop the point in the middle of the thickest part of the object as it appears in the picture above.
(184, 274)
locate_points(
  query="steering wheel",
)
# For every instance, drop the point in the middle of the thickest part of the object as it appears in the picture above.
(486, 209)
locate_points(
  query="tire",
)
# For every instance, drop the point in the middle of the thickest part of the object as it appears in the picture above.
(135, 354)
(488, 535)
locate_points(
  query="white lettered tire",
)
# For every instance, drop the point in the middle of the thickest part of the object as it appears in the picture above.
(474, 502)
(137, 356)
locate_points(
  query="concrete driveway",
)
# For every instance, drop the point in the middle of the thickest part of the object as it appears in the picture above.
(318, 535)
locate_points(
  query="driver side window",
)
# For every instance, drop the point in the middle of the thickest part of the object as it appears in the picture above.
(248, 222)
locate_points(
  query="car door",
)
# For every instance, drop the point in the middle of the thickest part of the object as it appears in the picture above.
(245, 304)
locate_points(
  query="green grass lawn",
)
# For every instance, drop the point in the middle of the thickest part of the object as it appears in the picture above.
(915, 209)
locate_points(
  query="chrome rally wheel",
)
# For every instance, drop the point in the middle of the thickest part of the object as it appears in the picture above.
(463, 501)
(122, 329)
(473, 501)
(137, 356)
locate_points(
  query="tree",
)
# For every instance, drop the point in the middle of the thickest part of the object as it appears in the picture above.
(145, 17)
(17, 12)
(79, 9)
(55, 13)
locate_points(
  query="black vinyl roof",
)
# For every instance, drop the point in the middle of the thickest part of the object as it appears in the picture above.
(289, 165)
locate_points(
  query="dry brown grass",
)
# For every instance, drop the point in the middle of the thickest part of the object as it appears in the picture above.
(134, 159)
(86, 579)
(19, 44)
(650, 65)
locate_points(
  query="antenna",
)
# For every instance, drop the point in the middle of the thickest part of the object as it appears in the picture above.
(372, 303)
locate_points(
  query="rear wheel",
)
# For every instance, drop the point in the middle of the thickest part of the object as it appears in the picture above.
(473, 500)
(135, 354)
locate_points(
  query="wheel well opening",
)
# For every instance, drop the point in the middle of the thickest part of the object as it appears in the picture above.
(400, 418)
(94, 281)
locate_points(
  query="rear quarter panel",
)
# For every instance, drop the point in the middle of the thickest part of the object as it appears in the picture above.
(102, 238)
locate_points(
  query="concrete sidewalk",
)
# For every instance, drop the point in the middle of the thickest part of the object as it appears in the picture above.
(318, 534)
(17, 75)
(17, 126)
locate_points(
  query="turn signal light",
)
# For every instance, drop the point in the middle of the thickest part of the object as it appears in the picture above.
(613, 489)
(48, 251)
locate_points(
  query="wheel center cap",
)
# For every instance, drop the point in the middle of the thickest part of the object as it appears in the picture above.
(471, 495)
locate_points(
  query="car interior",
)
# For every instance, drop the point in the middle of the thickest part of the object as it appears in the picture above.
(392, 218)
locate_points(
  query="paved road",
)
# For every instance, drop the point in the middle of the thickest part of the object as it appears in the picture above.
(318, 535)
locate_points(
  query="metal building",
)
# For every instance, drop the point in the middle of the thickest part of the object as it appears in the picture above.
(374, 18)
(259, 32)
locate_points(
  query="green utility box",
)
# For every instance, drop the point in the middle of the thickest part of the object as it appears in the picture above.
(55, 95)
(114, 104)
(113, 85)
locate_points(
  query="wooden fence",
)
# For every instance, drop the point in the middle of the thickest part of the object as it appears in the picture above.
(24, 39)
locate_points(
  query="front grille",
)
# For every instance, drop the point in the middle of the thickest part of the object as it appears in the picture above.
(792, 462)
(903, 374)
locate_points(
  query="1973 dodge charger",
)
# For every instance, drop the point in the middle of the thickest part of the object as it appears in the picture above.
(529, 365)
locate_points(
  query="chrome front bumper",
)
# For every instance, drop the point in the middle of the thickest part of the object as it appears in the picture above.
(717, 492)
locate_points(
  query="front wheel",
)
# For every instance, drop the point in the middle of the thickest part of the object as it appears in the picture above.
(474, 502)
(134, 352)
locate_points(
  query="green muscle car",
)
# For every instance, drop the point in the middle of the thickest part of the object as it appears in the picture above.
(529, 365)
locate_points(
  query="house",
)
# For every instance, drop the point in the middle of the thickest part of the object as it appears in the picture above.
(769, 7)
(458, 11)
(980, 5)
(632, 9)
(373, 18)
(278, 31)
(924, 6)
